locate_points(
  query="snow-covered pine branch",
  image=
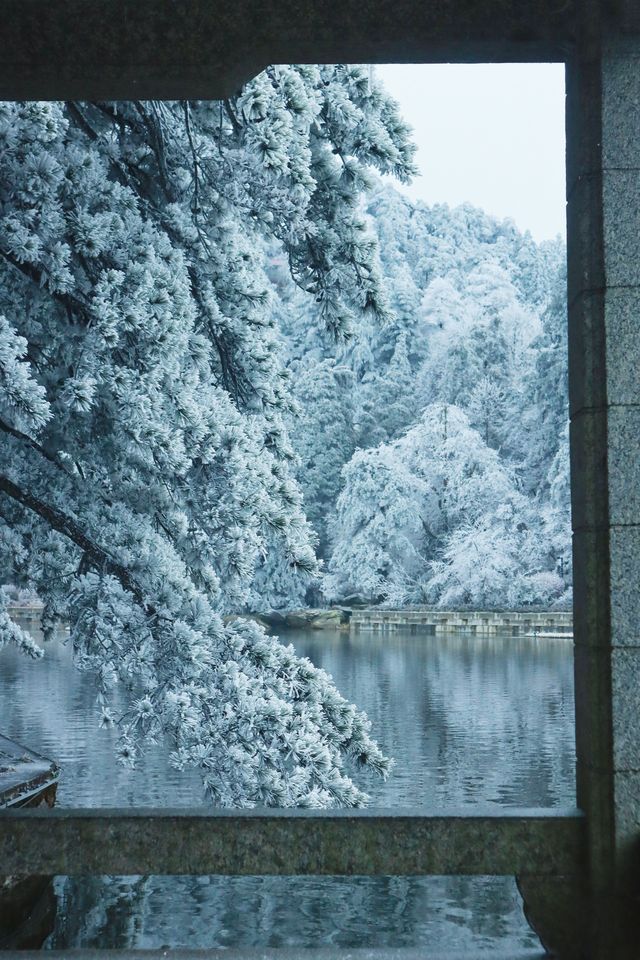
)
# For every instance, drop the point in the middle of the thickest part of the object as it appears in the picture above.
(147, 486)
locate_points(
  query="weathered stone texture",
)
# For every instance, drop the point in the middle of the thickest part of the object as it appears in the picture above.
(620, 111)
(589, 501)
(624, 466)
(108, 49)
(624, 548)
(593, 735)
(291, 842)
(604, 293)
(621, 201)
(277, 953)
(627, 791)
(112, 49)
(625, 676)
(591, 615)
(586, 349)
(585, 260)
(622, 335)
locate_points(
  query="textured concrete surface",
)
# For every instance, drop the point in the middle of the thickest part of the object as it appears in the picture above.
(625, 677)
(603, 217)
(624, 547)
(586, 352)
(112, 49)
(282, 842)
(323, 953)
(554, 907)
(626, 791)
(620, 95)
(623, 429)
(621, 200)
(585, 261)
(589, 491)
(593, 737)
(622, 338)
(592, 615)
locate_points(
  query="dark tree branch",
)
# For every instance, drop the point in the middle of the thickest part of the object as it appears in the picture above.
(96, 555)
(72, 302)
(196, 162)
(82, 121)
(25, 438)
(237, 129)
(129, 175)
(156, 138)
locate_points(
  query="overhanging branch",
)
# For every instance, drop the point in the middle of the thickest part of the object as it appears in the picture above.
(70, 528)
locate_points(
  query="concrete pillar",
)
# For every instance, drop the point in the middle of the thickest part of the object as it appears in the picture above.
(603, 217)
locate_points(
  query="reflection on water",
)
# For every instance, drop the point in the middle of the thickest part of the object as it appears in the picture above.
(468, 720)
(447, 914)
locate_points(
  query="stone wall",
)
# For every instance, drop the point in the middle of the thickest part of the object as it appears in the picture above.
(478, 622)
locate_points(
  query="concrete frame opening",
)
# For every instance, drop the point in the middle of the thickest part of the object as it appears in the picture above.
(589, 898)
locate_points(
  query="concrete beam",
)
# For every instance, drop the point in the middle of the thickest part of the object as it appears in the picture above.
(280, 953)
(290, 842)
(205, 49)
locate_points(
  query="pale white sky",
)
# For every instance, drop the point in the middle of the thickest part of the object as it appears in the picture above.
(492, 134)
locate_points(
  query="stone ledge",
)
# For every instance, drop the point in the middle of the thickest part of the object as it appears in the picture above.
(290, 953)
(278, 842)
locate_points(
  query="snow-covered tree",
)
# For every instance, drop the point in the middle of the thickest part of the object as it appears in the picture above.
(546, 412)
(476, 322)
(146, 484)
(436, 517)
(496, 561)
(385, 399)
(486, 410)
(378, 529)
(325, 438)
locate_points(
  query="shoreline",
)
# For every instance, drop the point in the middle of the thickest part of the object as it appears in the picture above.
(515, 623)
(525, 624)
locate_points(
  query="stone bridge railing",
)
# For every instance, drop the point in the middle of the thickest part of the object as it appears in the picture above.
(475, 622)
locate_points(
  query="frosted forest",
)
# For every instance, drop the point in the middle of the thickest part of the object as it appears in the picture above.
(239, 372)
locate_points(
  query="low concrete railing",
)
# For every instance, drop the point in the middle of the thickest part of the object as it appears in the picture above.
(478, 622)
(276, 953)
(291, 842)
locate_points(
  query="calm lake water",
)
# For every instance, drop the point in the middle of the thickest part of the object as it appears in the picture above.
(468, 720)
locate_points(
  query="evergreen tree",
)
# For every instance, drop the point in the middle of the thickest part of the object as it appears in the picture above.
(477, 310)
(486, 410)
(325, 438)
(146, 481)
(437, 517)
(547, 391)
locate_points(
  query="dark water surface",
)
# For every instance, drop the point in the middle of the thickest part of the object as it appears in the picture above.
(468, 720)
